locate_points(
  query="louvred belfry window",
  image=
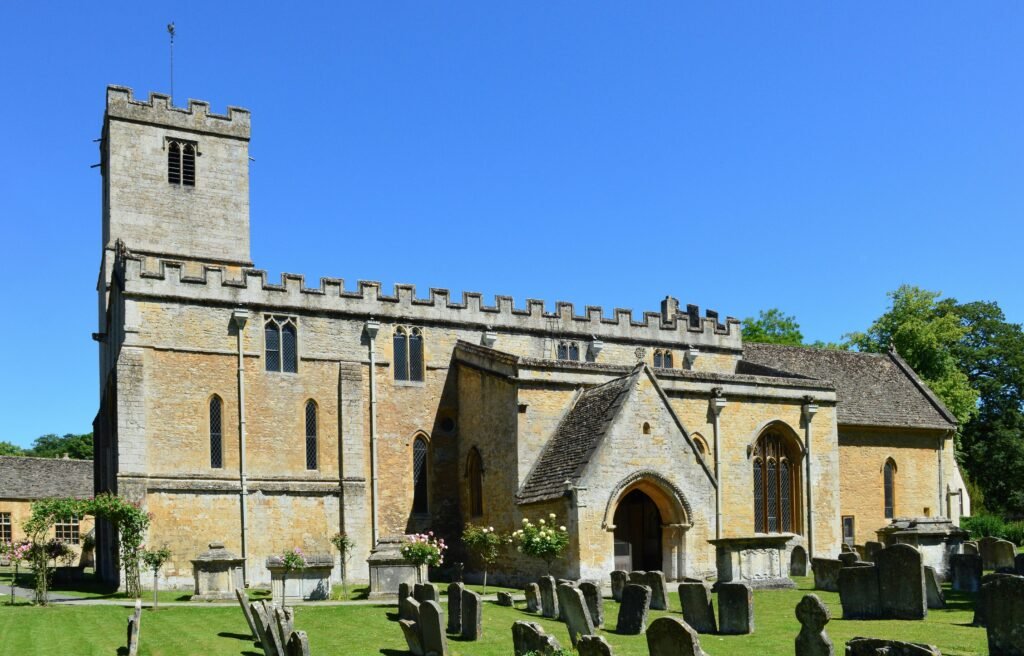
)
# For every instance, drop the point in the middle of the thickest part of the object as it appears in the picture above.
(181, 162)
(408, 354)
(776, 477)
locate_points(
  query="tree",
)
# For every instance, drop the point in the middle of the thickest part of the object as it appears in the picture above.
(345, 545)
(483, 543)
(54, 446)
(773, 327)
(154, 559)
(8, 449)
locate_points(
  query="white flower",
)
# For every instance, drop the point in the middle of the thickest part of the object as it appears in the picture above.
(561, 528)
(541, 522)
(552, 515)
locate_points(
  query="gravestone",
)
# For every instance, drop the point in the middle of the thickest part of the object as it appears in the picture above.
(965, 570)
(697, 608)
(284, 619)
(411, 631)
(983, 600)
(858, 593)
(298, 644)
(404, 590)
(409, 609)
(619, 581)
(992, 556)
(1003, 554)
(432, 626)
(529, 637)
(848, 558)
(971, 547)
(901, 586)
(870, 549)
(574, 608)
(595, 604)
(798, 561)
(671, 636)
(1004, 609)
(933, 589)
(593, 645)
(735, 609)
(505, 599)
(558, 582)
(659, 591)
(134, 621)
(1018, 562)
(845, 548)
(426, 592)
(636, 601)
(548, 597)
(532, 597)
(826, 574)
(267, 632)
(877, 647)
(472, 615)
(455, 607)
(812, 640)
(244, 603)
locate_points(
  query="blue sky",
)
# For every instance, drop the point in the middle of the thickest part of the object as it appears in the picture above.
(807, 156)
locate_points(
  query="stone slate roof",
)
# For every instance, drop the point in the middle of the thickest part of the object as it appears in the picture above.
(42, 478)
(579, 433)
(872, 389)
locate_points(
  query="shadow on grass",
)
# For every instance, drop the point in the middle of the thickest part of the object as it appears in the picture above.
(956, 600)
(393, 617)
(122, 651)
(394, 652)
(236, 636)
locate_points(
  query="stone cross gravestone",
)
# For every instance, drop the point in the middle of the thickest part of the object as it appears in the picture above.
(532, 597)
(671, 636)
(455, 607)
(595, 604)
(472, 615)
(636, 602)
(529, 637)
(735, 609)
(432, 627)
(812, 640)
(901, 585)
(593, 645)
(965, 570)
(619, 581)
(548, 597)
(698, 610)
(574, 608)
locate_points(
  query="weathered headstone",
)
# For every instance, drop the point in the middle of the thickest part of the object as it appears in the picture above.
(472, 615)
(812, 640)
(697, 608)
(636, 601)
(933, 589)
(505, 599)
(569, 582)
(826, 574)
(848, 558)
(409, 609)
(455, 607)
(595, 604)
(798, 561)
(995, 553)
(404, 590)
(574, 608)
(1003, 554)
(298, 644)
(858, 593)
(1004, 608)
(593, 645)
(981, 601)
(243, 601)
(671, 636)
(284, 619)
(411, 631)
(532, 597)
(901, 586)
(971, 547)
(432, 626)
(134, 621)
(266, 630)
(870, 549)
(966, 572)
(735, 609)
(426, 592)
(529, 637)
(548, 597)
(619, 581)
(659, 592)
(879, 647)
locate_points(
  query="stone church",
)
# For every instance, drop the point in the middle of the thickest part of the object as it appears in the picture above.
(269, 414)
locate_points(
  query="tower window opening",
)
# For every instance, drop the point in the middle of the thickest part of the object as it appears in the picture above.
(181, 162)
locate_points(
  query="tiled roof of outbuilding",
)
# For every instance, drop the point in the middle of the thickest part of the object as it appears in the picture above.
(872, 389)
(43, 478)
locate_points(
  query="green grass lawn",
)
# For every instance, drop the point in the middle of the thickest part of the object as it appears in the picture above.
(371, 629)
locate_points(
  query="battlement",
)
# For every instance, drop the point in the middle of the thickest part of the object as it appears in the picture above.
(158, 110)
(160, 278)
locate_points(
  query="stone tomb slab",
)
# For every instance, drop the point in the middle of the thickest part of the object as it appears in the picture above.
(735, 609)
(698, 610)
(636, 602)
(671, 636)
(876, 646)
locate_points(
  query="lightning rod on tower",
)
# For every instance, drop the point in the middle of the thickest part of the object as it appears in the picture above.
(170, 31)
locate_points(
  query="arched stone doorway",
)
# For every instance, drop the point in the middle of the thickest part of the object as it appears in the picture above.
(637, 533)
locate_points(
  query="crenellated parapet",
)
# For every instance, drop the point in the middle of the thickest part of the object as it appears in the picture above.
(159, 110)
(149, 277)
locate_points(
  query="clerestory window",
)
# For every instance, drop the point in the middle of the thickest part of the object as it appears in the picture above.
(568, 351)
(181, 162)
(662, 359)
(408, 354)
(280, 337)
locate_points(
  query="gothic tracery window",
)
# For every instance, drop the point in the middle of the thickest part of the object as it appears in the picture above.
(568, 351)
(408, 354)
(420, 504)
(280, 337)
(181, 163)
(776, 485)
(662, 359)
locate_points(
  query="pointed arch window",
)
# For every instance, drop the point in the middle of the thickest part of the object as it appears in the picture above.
(420, 505)
(662, 359)
(311, 435)
(776, 477)
(889, 485)
(181, 162)
(280, 337)
(475, 474)
(408, 354)
(568, 351)
(216, 432)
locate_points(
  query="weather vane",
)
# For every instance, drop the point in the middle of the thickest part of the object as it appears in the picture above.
(170, 30)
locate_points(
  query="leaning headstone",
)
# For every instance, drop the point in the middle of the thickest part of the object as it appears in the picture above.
(1004, 603)
(548, 597)
(472, 615)
(593, 645)
(966, 572)
(432, 628)
(409, 609)
(879, 647)
(870, 549)
(848, 558)
(671, 636)
(574, 608)
(798, 561)
(971, 547)
(455, 607)
(411, 631)
(659, 593)
(933, 589)
(826, 574)
(1018, 563)
(858, 593)
(558, 582)
(532, 597)
(595, 604)
(266, 631)
(529, 637)
(697, 608)
(812, 640)
(505, 599)
(636, 601)
(298, 644)
(244, 603)
(735, 609)
(901, 587)
(134, 620)
(284, 619)
(619, 581)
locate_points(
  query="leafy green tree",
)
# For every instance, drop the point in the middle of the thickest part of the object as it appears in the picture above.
(773, 327)
(8, 449)
(54, 446)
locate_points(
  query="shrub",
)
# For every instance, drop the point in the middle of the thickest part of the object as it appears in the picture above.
(1015, 533)
(483, 543)
(424, 549)
(541, 540)
(984, 526)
